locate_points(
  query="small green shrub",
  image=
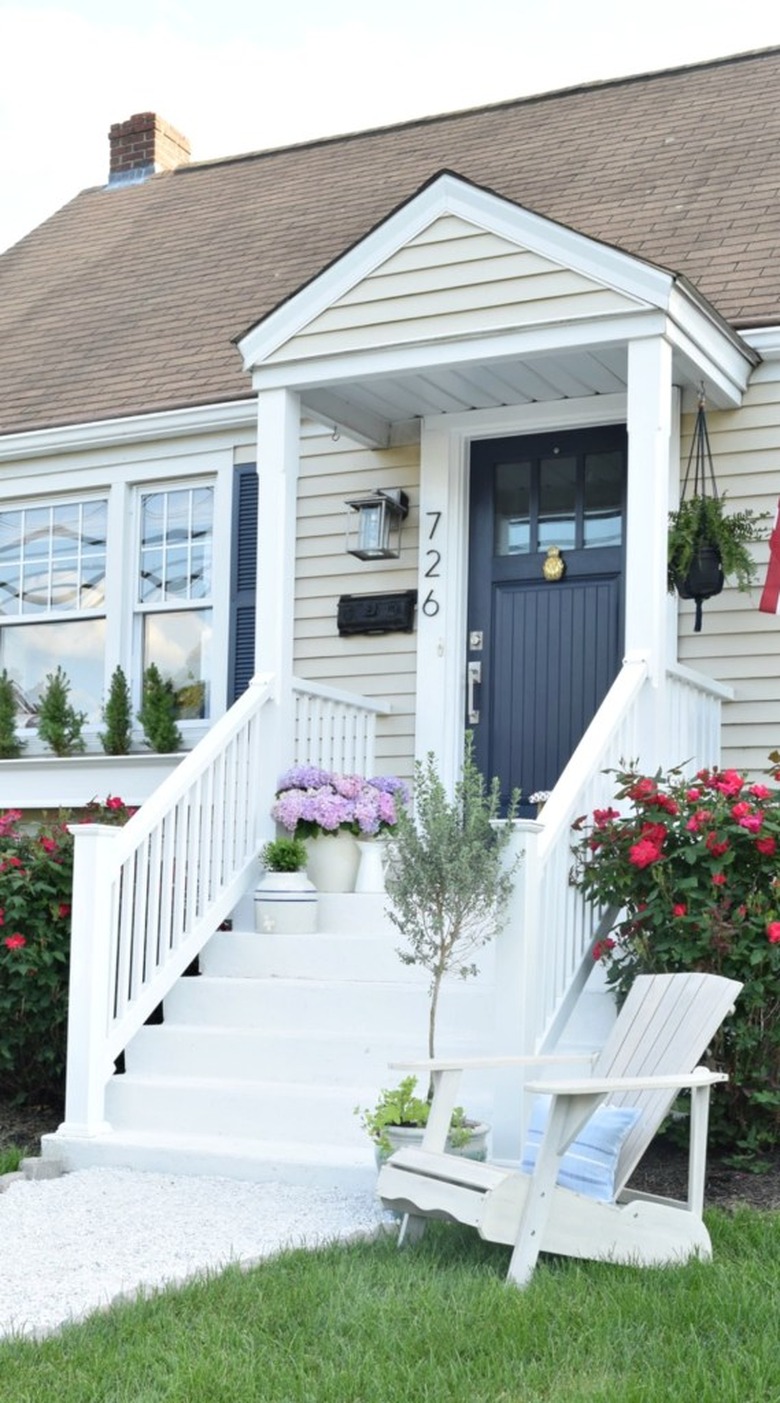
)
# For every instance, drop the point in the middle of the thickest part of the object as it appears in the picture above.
(117, 716)
(59, 724)
(10, 744)
(284, 855)
(158, 712)
(36, 878)
(693, 866)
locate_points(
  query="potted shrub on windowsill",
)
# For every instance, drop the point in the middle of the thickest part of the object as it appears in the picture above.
(285, 899)
(449, 885)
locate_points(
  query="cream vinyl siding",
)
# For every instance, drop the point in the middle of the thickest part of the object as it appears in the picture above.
(738, 644)
(373, 665)
(452, 280)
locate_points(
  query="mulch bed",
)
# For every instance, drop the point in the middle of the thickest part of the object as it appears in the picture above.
(664, 1169)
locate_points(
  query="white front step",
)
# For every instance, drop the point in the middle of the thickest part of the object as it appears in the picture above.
(250, 1054)
(325, 1006)
(257, 1110)
(269, 1162)
(349, 957)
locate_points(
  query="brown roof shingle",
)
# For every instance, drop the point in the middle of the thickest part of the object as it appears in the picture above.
(127, 299)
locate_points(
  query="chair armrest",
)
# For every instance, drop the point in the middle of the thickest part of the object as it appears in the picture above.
(589, 1086)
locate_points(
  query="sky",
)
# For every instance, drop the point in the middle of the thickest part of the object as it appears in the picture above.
(244, 75)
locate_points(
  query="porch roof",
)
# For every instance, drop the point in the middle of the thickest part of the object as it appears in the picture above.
(462, 300)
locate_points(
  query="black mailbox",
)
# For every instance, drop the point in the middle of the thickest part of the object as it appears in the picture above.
(377, 613)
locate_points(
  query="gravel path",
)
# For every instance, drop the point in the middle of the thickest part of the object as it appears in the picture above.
(72, 1245)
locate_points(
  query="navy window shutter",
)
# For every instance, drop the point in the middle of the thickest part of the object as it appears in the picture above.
(243, 584)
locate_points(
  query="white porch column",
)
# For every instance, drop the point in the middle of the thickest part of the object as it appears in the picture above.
(441, 601)
(650, 399)
(278, 455)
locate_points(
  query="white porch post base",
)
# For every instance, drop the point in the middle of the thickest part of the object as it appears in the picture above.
(90, 995)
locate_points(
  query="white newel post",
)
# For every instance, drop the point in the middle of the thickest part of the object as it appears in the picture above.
(89, 996)
(516, 989)
(278, 455)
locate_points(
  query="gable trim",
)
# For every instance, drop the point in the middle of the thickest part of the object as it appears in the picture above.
(449, 194)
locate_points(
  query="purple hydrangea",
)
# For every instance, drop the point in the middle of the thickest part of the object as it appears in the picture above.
(311, 801)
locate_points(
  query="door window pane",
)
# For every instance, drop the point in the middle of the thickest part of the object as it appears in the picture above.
(557, 502)
(603, 523)
(512, 515)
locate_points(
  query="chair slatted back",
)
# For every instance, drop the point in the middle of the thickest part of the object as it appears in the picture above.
(665, 1026)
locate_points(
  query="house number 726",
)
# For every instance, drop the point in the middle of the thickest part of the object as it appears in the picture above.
(431, 606)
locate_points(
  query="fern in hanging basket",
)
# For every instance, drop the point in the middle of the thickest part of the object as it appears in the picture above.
(707, 546)
(702, 521)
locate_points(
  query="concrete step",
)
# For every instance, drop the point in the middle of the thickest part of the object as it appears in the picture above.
(350, 1170)
(327, 1006)
(299, 1113)
(246, 1054)
(361, 957)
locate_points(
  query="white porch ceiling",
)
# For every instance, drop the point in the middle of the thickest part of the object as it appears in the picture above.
(368, 407)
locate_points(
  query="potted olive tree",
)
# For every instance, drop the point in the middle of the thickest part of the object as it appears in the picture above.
(285, 899)
(449, 884)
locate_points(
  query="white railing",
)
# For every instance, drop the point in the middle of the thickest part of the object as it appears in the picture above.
(147, 897)
(692, 724)
(335, 730)
(636, 723)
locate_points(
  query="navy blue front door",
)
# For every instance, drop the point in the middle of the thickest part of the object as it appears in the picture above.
(545, 649)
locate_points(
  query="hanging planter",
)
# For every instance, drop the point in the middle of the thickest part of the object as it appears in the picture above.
(706, 546)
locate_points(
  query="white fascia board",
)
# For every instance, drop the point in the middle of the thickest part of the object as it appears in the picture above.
(610, 330)
(764, 340)
(448, 195)
(140, 428)
(719, 354)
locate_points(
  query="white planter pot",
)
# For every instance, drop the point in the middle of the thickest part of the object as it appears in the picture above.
(371, 865)
(332, 861)
(286, 904)
(409, 1137)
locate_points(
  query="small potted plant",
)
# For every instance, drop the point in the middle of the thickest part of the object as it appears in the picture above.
(449, 886)
(285, 899)
(400, 1116)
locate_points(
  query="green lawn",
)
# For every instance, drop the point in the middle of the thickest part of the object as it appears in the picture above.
(368, 1324)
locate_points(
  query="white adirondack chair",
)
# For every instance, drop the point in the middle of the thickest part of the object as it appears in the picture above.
(661, 1033)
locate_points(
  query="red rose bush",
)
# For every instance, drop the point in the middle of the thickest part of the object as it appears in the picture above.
(692, 870)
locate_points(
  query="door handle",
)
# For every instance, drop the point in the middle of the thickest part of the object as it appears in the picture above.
(473, 679)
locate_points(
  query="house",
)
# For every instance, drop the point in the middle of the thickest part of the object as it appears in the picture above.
(502, 317)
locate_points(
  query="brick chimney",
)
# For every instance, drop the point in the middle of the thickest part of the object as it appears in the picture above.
(144, 145)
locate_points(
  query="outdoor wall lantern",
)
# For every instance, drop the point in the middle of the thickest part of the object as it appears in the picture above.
(374, 532)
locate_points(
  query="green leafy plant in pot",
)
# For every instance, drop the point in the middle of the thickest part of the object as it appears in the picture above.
(707, 545)
(285, 900)
(449, 884)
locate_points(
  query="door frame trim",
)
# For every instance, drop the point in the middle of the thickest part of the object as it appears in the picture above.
(445, 445)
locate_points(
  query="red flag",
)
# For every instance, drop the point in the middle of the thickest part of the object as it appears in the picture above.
(770, 597)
